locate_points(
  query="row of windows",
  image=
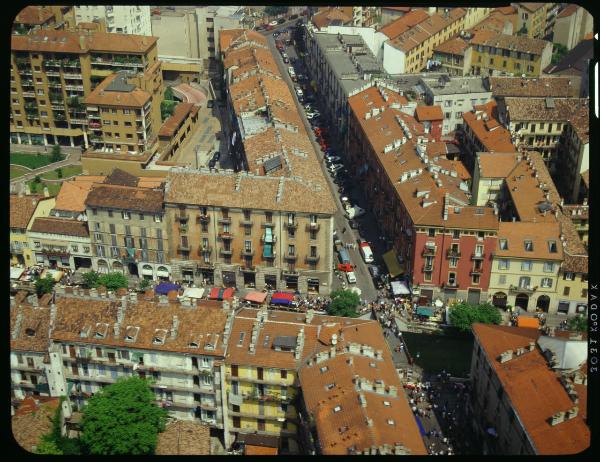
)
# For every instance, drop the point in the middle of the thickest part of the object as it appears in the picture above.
(525, 282)
(526, 265)
(456, 233)
(452, 281)
(143, 232)
(126, 215)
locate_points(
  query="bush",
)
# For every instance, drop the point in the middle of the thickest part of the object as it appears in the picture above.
(90, 279)
(578, 323)
(59, 173)
(463, 315)
(44, 285)
(144, 284)
(113, 281)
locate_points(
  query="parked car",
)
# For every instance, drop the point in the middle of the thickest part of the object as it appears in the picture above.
(366, 252)
(280, 20)
(333, 159)
(273, 23)
(212, 163)
(351, 277)
(275, 34)
(374, 271)
(292, 17)
(286, 60)
(335, 167)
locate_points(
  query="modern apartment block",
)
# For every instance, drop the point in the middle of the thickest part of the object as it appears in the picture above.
(127, 226)
(121, 19)
(442, 243)
(496, 53)
(53, 71)
(508, 415)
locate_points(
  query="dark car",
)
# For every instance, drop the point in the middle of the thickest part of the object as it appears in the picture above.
(212, 163)
(280, 20)
(210, 103)
(292, 17)
(374, 270)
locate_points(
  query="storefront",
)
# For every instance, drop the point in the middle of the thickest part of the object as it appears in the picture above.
(313, 285)
(228, 278)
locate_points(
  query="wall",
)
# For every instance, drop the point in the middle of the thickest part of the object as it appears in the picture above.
(394, 60)
(177, 33)
(572, 292)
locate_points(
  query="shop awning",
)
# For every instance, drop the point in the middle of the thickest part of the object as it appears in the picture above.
(256, 297)
(220, 293)
(425, 311)
(282, 298)
(15, 273)
(166, 287)
(193, 292)
(391, 261)
(55, 274)
(399, 288)
(528, 321)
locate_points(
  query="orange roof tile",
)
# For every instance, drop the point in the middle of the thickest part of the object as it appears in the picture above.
(568, 11)
(324, 17)
(22, 209)
(400, 25)
(103, 97)
(239, 37)
(251, 450)
(528, 322)
(73, 193)
(486, 128)
(423, 113)
(517, 232)
(170, 126)
(496, 164)
(455, 46)
(34, 15)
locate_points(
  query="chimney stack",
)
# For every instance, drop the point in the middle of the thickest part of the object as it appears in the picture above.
(531, 346)
(572, 413)
(557, 418)
(82, 42)
(506, 356)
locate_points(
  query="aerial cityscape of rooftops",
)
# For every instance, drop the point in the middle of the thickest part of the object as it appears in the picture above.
(300, 230)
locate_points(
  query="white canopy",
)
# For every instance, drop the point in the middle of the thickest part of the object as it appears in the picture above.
(15, 272)
(400, 288)
(193, 292)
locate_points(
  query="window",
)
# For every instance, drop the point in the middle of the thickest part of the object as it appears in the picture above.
(552, 246)
(291, 249)
(431, 232)
(158, 218)
(529, 246)
(125, 215)
(283, 373)
(584, 293)
(526, 265)
(503, 244)
(142, 216)
(548, 267)
(569, 276)
(566, 290)
(502, 279)
(75, 248)
(476, 278)
(453, 262)
(524, 282)
(503, 264)
(456, 234)
(547, 282)
(451, 278)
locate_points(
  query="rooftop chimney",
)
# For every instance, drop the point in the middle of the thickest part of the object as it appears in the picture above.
(531, 346)
(557, 418)
(506, 356)
(82, 42)
(572, 413)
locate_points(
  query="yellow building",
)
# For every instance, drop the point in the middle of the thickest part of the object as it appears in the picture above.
(495, 53)
(532, 19)
(24, 209)
(52, 71)
(526, 265)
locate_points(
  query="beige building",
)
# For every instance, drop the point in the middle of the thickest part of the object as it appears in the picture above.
(122, 19)
(572, 156)
(488, 177)
(43, 17)
(24, 208)
(532, 19)
(572, 25)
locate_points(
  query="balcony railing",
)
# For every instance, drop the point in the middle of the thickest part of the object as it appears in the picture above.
(271, 397)
(453, 253)
(52, 73)
(183, 227)
(225, 235)
(74, 87)
(313, 227)
(184, 247)
(313, 258)
(450, 285)
(224, 220)
(290, 256)
(519, 289)
(203, 218)
(226, 252)
(273, 239)
(291, 224)
(245, 222)
(182, 216)
(428, 251)
(203, 249)
(267, 224)
(477, 256)
(476, 271)
(247, 252)
(427, 268)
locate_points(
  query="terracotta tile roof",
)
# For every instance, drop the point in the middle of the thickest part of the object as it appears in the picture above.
(554, 87)
(568, 11)
(495, 22)
(511, 42)
(325, 17)
(404, 23)
(102, 96)
(404, 9)
(521, 377)
(532, 6)
(423, 113)
(506, 10)
(487, 129)
(183, 438)
(35, 321)
(239, 37)
(73, 193)
(455, 46)
(34, 15)
(120, 177)
(203, 325)
(22, 209)
(497, 164)
(126, 198)
(32, 421)
(170, 126)
(251, 450)
(383, 129)
(61, 41)
(422, 31)
(580, 121)
(65, 227)
(540, 234)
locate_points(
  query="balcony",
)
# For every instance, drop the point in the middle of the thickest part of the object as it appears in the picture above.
(291, 224)
(247, 253)
(183, 216)
(313, 258)
(268, 240)
(57, 107)
(72, 76)
(204, 249)
(428, 251)
(267, 224)
(29, 94)
(245, 222)
(290, 256)
(225, 236)
(203, 219)
(518, 289)
(53, 73)
(226, 252)
(477, 256)
(427, 268)
(224, 221)
(450, 285)
(453, 253)
(269, 397)
(476, 271)
(78, 121)
(313, 227)
(183, 247)
(74, 87)
(183, 227)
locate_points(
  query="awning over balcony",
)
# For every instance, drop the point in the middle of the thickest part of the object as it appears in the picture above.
(391, 261)
(268, 236)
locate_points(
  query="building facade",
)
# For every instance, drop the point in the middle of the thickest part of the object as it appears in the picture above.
(43, 17)
(572, 25)
(532, 19)
(121, 19)
(24, 208)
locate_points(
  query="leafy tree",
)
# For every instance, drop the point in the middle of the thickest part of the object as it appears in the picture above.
(113, 281)
(558, 51)
(343, 303)
(59, 173)
(54, 441)
(578, 323)
(48, 446)
(463, 315)
(37, 179)
(122, 419)
(167, 108)
(44, 285)
(275, 10)
(90, 279)
(56, 155)
(169, 94)
(144, 284)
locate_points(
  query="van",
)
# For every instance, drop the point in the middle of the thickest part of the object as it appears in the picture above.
(351, 277)
(344, 256)
(366, 252)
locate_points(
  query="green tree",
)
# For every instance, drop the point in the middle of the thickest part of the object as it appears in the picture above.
(56, 155)
(578, 323)
(90, 279)
(558, 52)
(37, 179)
(275, 10)
(144, 284)
(48, 446)
(169, 94)
(166, 109)
(59, 173)
(44, 285)
(343, 303)
(122, 419)
(113, 281)
(463, 315)
(54, 441)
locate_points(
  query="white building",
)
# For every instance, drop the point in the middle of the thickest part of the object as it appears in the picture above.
(125, 19)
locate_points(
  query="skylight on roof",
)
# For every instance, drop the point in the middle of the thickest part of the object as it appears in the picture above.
(338, 408)
(387, 403)
(324, 369)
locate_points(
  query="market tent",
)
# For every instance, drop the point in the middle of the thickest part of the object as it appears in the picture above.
(220, 293)
(256, 297)
(193, 292)
(166, 287)
(528, 321)
(425, 311)
(399, 288)
(282, 298)
(346, 267)
(391, 261)
(15, 273)
(55, 274)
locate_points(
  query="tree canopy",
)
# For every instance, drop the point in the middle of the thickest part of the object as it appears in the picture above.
(343, 303)
(44, 285)
(578, 323)
(463, 315)
(112, 281)
(275, 10)
(122, 418)
(56, 155)
(558, 52)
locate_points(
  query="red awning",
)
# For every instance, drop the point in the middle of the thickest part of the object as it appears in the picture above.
(219, 293)
(347, 267)
(256, 297)
(214, 293)
(283, 295)
(228, 293)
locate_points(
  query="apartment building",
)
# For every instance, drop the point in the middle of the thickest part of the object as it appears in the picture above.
(572, 155)
(43, 17)
(410, 51)
(420, 201)
(491, 168)
(454, 56)
(540, 87)
(24, 208)
(508, 415)
(174, 131)
(338, 64)
(98, 338)
(572, 25)
(482, 132)
(572, 287)
(127, 226)
(29, 327)
(539, 123)
(474, 16)
(121, 19)
(495, 53)
(532, 19)
(53, 71)
(456, 96)
(334, 16)
(351, 396)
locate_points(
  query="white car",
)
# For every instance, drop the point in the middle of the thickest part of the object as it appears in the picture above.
(334, 167)
(299, 92)
(351, 277)
(273, 23)
(334, 159)
(291, 71)
(354, 212)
